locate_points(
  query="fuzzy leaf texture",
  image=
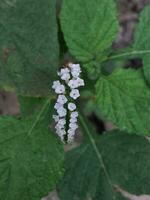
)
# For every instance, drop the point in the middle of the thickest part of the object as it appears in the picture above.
(31, 158)
(89, 27)
(142, 40)
(124, 98)
(30, 106)
(28, 46)
(94, 170)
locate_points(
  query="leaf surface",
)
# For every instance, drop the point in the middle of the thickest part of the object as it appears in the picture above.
(142, 40)
(31, 158)
(124, 98)
(89, 27)
(28, 46)
(95, 169)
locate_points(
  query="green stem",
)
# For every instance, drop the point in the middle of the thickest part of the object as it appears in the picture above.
(142, 52)
(37, 119)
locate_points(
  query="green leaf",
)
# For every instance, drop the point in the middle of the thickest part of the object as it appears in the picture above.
(142, 40)
(142, 36)
(29, 48)
(31, 158)
(95, 169)
(30, 105)
(124, 98)
(89, 27)
(146, 62)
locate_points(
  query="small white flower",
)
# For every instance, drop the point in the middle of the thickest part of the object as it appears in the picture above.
(62, 137)
(75, 74)
(64, 71)
(57, 105)
(73, 120)
(74, 93)
(70, 138)
(62, 121)
(74, 114)
(62, 112)
(60, 89)
(80, 82)
(75, 70)
(73, 84)
(62, 99)
(56, 118)
(61, 133)
(73, 126)
(71, 106)
(75, 67)
(59, 127)
(71, 131)
(56, 84)
(65, 76)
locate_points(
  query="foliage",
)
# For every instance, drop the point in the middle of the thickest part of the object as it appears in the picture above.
(31, 48)
(30, 156)
(91, 23)
(125, 100)
(28, 45)
(93, 173)
(141, 42)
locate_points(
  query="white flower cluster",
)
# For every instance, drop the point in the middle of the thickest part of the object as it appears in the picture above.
(67, 90)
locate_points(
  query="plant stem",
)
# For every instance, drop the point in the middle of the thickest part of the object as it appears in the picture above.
(142, 52)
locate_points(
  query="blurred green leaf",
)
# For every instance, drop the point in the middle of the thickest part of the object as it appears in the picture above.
(31, 158)
(89, 27)
(30, 105)
(142, 36)
(29, 50)
(142, 40)
(94, 169)
(124, 98)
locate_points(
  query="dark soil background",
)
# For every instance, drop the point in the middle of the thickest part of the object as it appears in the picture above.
(128, 16)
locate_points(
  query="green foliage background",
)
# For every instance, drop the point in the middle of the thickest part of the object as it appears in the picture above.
(35, 36)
